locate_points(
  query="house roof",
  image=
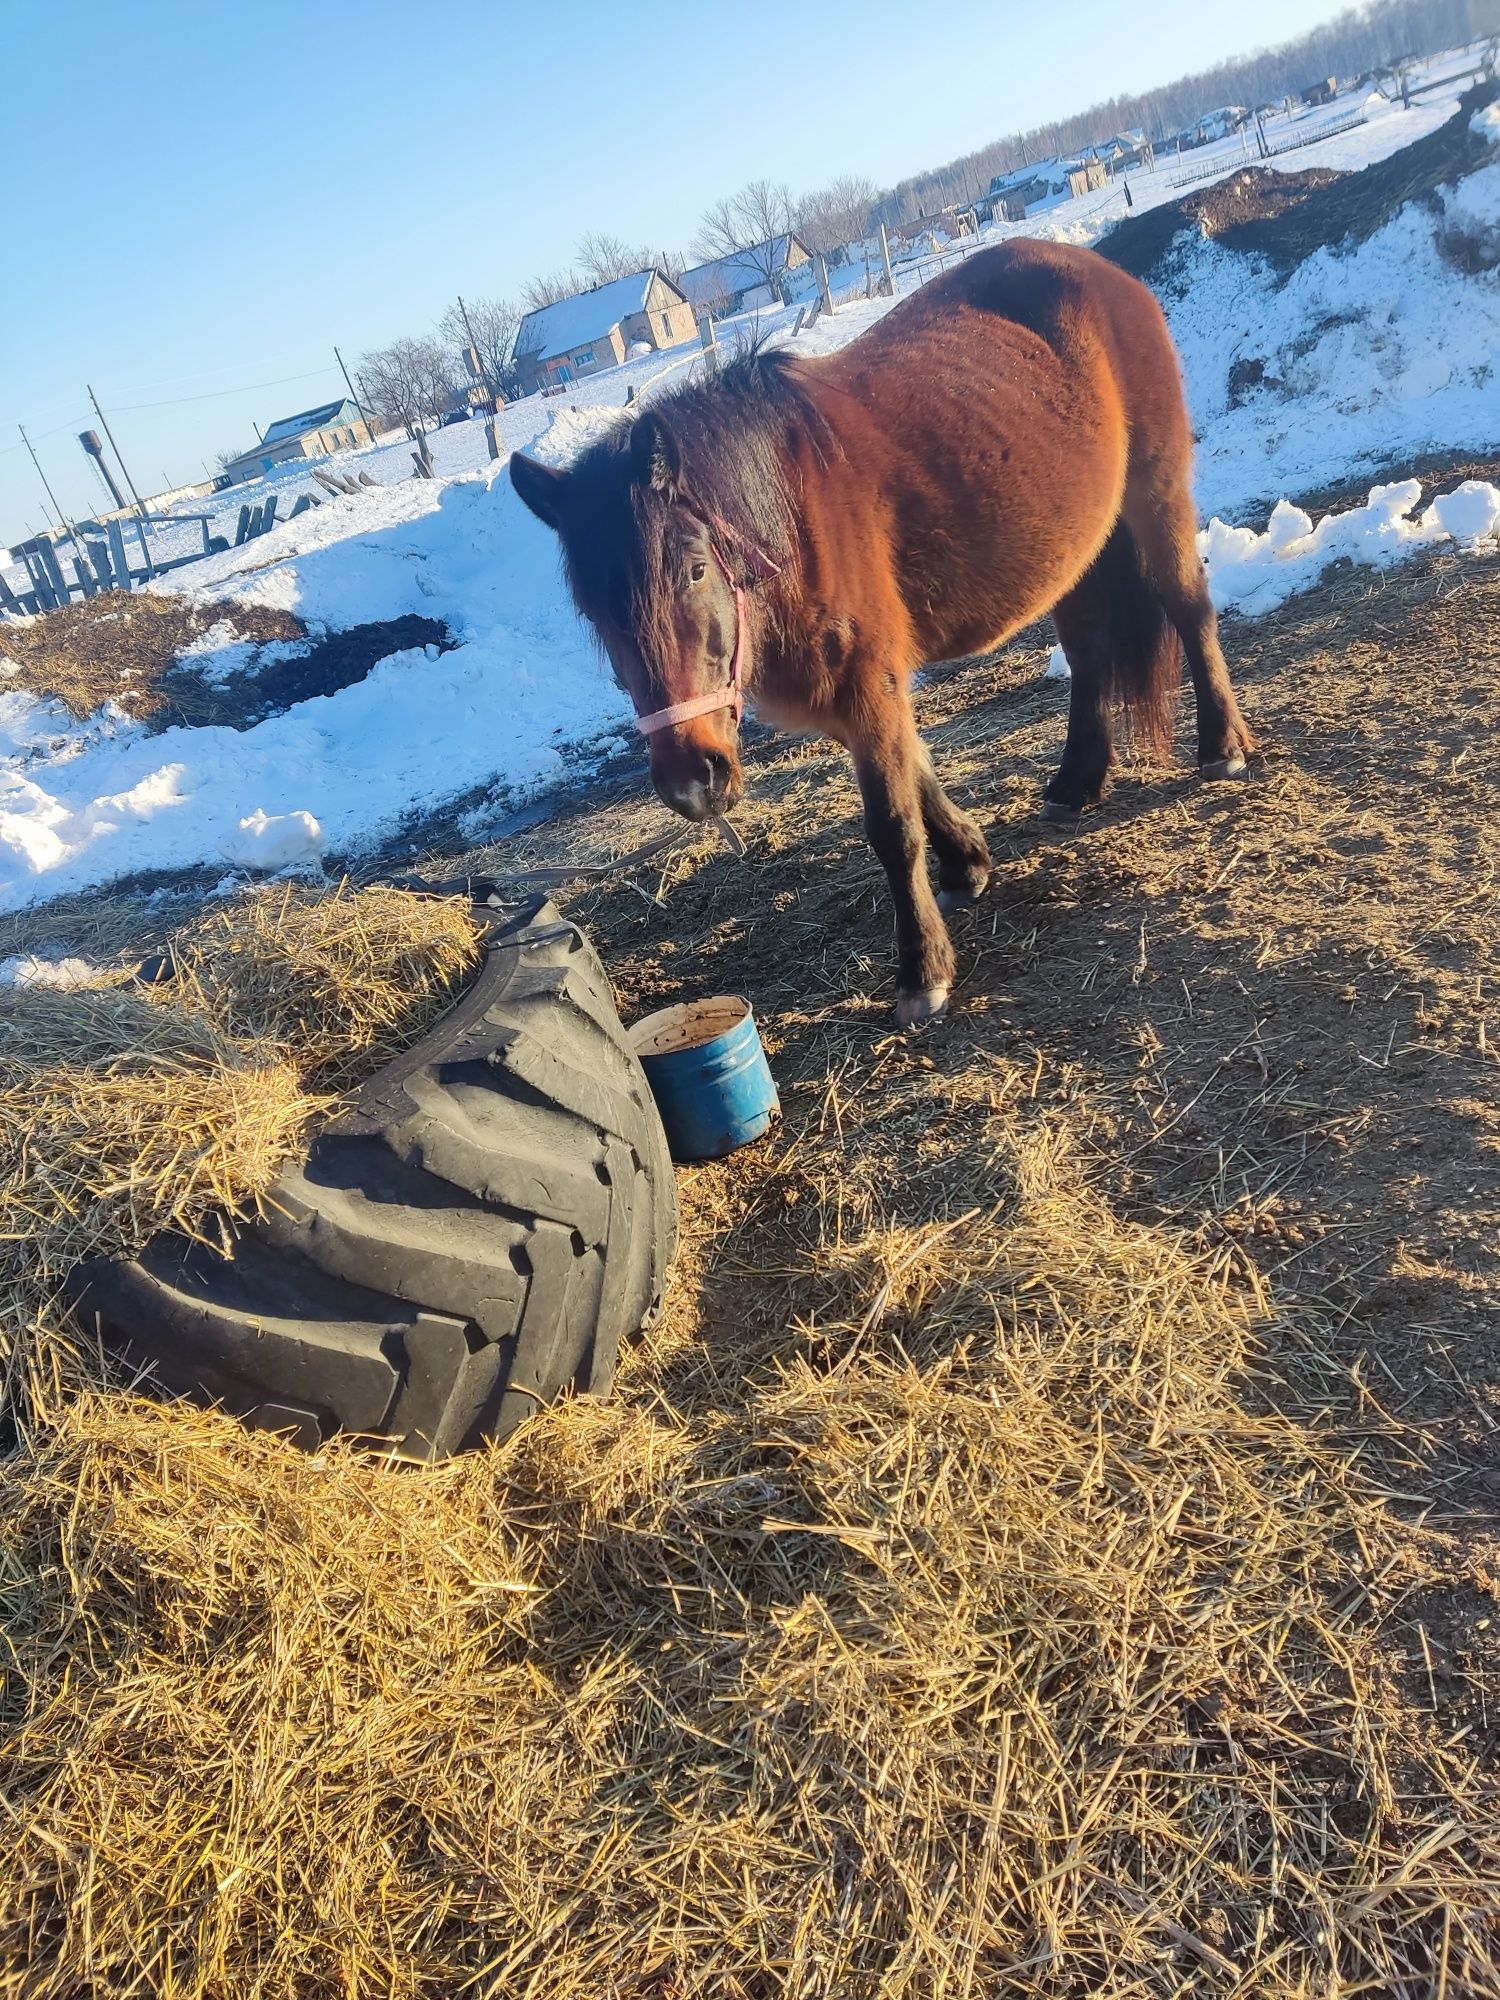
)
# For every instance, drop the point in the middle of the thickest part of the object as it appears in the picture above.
(1052, 173)
(587, 316)
(741, 271)
(307, 420)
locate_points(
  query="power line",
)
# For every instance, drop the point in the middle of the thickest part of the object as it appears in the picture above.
(212, 395)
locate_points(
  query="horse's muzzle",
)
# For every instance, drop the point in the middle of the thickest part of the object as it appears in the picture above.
(698, 783)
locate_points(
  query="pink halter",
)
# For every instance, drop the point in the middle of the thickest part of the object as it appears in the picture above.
(732, 694)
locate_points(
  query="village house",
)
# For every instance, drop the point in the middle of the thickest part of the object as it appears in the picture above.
(310, 434)
(595, 330)
(1045, 183)
(749, 278)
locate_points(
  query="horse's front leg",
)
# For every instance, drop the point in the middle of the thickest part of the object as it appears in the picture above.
(889, 761)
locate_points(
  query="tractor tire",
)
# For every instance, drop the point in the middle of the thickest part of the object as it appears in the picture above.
(470, 1238)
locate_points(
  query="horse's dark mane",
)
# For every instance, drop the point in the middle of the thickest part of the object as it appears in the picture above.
(733, 434)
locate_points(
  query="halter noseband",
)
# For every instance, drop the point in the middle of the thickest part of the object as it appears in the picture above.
(732, 694)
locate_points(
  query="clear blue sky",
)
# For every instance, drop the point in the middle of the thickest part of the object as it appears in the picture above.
(205, 195)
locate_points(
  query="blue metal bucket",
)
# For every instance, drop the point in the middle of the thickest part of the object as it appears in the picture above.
(708, 1073)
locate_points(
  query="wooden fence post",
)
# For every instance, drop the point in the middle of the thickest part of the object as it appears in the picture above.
(823, 292)
(117, 555)
(710, 340)
(47, 557)
(885, 264)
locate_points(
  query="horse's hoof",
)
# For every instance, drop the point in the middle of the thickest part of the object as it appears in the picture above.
(915, 1010)
(950, 900)
(1232, 766)
(1059, 814)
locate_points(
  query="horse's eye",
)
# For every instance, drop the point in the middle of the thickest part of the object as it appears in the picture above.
(697, 571)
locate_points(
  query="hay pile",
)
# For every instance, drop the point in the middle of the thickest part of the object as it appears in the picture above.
(337, 984)
(126, 1109)
(990, 1642)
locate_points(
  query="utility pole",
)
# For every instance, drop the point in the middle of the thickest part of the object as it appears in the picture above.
(367, 406)
(42, 475)
(484, 373)
(365, 414)
(140, 505)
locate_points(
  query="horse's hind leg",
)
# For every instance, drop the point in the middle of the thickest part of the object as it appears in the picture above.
(889, 760)
(1089, 750)
(1164, 524)
(963, 857)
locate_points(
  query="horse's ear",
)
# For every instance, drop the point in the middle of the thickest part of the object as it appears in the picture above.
(654, 455)
(540, 486)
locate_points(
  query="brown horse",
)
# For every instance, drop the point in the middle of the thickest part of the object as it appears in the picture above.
(1009, 441)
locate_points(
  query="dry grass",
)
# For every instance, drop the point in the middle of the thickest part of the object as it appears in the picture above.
(336, 984)
(122, 647)
(978, 1586)
(991, 1640)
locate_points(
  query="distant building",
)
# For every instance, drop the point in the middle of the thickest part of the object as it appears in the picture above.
(595, 330)
(1220, 124)
(748, 278)
(310, 434)
(1127, 150)
(1322, 92)
(1045, 183)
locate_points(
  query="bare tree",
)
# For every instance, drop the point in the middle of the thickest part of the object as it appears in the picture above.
(831, 217)
(411, 381)
(548, 289)
(749, 225)
(602, 259)
(494, 322)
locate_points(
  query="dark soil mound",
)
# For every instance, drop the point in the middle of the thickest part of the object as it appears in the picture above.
(1286, 217)
(327, 664)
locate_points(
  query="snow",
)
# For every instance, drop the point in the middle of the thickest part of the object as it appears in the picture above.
(277, 841)
(1485, 124)
(1256, 572)
(507, 713)
(1378, 353)
(64, 973)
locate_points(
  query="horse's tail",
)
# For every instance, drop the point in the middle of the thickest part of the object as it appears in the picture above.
(1143, 651)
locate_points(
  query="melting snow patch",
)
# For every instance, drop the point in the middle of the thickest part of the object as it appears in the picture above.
(1485, 124)
(1057, 666)
(1255, 572)
(65, 973)
(276, 840)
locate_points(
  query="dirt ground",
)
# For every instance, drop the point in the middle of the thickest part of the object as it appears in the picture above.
(1269, 1011)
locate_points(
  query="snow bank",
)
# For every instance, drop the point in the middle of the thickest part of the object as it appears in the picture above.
(508, 712)
(1363, 356)
(1255, 572)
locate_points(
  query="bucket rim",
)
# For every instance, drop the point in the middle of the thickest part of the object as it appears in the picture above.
(689, 1026)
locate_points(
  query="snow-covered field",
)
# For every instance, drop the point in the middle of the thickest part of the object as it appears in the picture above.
(1367, 358)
